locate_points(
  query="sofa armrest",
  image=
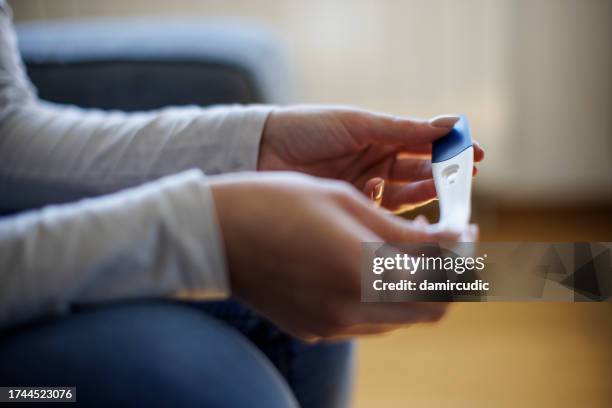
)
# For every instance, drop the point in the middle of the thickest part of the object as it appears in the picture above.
(139, 64)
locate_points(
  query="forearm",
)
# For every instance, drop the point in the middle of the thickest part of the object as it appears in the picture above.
(87, 152)
(155, 240)
(54, 153)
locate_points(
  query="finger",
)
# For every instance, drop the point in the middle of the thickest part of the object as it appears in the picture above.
(471, 234)
(381, 128)
(409, 196)
(409, 169)
(403, 312)
(365, 330)
(391, 228)
(424, 152)
(374, 189)
(421, 220)
(479, 153)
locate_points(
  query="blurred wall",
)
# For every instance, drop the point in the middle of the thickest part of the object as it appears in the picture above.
(534, 76)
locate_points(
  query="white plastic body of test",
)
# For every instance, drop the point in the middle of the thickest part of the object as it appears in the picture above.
(453, 180)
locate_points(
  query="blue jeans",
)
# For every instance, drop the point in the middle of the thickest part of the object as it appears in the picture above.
(164, 353)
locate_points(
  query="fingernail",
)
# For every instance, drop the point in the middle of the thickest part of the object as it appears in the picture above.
(378, 191)
(444, 121)
(475, 231)
(421, 220)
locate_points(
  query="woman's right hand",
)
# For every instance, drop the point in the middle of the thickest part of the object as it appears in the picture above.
(293, 246)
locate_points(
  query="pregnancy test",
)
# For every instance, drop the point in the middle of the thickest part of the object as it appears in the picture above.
(452, 162)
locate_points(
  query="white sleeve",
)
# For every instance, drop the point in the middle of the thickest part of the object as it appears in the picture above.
(55, 153)
(154, 240)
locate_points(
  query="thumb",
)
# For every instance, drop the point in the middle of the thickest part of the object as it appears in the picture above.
(374, 189)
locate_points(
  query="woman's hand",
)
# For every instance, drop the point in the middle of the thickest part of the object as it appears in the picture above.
(293, 246)
(358, 147)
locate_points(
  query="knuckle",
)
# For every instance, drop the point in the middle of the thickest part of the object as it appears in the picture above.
(342, 318)
(340, 191)
(336, 321)
(325, 331)
(339, 187)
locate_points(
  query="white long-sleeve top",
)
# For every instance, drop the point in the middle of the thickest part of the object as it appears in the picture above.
(151, 230)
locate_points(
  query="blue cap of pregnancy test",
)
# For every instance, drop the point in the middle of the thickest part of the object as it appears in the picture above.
(454, 143)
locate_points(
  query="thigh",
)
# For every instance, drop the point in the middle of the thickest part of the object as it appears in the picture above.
(143, 354)
(320, 374)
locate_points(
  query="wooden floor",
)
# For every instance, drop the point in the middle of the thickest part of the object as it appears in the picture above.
(501, 354)
(493, 355)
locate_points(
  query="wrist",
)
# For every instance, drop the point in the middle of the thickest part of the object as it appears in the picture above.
(268, 158)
